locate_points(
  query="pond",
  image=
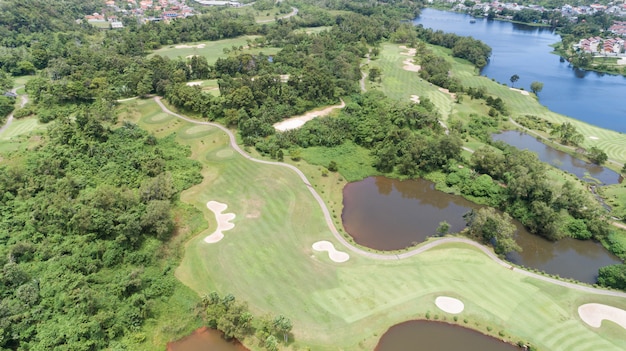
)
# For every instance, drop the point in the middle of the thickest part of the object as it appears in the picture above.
(559, 159)
(592, 97)
(205, 339)
(428, 335)
(389, 214)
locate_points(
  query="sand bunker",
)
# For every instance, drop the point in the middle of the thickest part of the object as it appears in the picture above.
(333, 254)
(191, 84)
(409, 52)
(299, 121)
(594, 313)
(190, 56)
(410, 66)
(199, 46)
(622, 61)
(523, 92)
(449, 304)
(415, 99)
(223, 221)
(593, 137)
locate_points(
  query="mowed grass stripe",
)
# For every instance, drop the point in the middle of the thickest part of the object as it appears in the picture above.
(329, 303)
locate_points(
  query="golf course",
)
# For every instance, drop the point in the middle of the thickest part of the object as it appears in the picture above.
(267, 259)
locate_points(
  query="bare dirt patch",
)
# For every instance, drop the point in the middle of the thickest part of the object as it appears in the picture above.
(298, 121)
(199, 46)
(223, 221)
(446, 91)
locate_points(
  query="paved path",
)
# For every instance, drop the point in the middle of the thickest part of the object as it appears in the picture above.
(294, 11)
(363, 74)
(377, 256)
(22, 103)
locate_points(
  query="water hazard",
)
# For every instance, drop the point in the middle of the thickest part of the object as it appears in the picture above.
(389, 214)
(559, 159)
(427, 335)
(524, 50)
(205, 339)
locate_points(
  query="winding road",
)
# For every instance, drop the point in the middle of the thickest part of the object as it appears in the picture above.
(294, 11)
(376, 256)
(24, 101)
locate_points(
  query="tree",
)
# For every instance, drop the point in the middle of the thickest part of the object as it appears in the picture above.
(494, 228)
(332, 166)
(374, 74)
(283, 325)
(443, 228)
(536, 87)
(613, 276)
(597, 155)
(568, 134)
(514, 78)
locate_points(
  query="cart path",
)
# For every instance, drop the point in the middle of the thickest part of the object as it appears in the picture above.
(22, 104)
(398, 256)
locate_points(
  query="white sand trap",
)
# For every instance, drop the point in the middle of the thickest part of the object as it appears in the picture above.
(449, 304)
(594, 137)
(594, 313)
(190, 56)
(333, 254)
(622, 61)
(409, 52)
(299, 121)
(523, 92)
(410, 66)
(191, 84)
(223, 221)
(415, 99)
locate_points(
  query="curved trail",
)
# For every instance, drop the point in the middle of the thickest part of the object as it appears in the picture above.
(294, 11)
(22, 103)
(376, 256)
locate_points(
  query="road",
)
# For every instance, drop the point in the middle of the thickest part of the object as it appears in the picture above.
(24, 101)
(363, 74)
(294, 11)
(377, 256)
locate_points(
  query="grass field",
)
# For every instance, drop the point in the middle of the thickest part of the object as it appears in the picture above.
(400, 84)
(213, 50)
(267, 260)
(18, 134)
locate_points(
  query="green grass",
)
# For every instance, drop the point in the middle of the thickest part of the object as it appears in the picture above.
(267, 260)
(354, 162)
(213, 50)
(312, 30)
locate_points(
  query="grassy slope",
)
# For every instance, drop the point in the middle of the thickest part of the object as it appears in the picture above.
(214, 49)
(267, 260)
(400, 84)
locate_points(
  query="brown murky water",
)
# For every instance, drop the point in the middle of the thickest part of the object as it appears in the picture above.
(205, 339)
(388, 214)
(557, 158)
(437, 336)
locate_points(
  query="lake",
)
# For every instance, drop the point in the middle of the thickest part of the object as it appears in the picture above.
(205, 339)
(438, 336)
(592, 97)
(389, 214)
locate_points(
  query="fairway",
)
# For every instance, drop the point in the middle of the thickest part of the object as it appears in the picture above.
(213, 50)
(400, 84)
(267, 259)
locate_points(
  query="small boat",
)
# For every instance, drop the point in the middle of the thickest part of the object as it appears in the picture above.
(472, 21)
